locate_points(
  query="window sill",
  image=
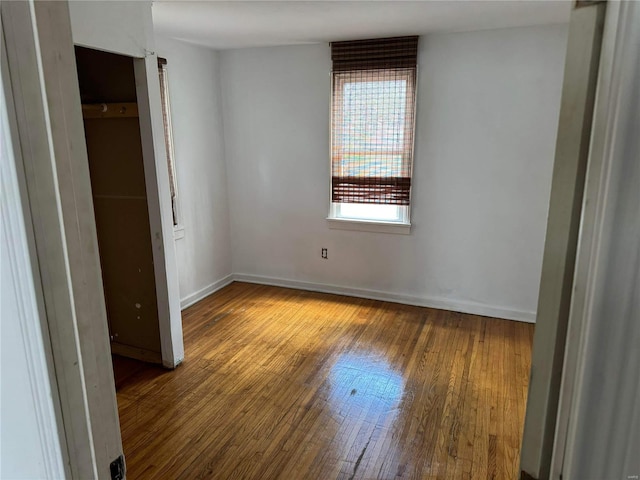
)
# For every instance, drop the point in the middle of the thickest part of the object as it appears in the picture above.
(178, 233)
(369, 226)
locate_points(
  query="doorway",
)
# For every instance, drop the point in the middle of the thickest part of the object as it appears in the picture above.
(114, 146)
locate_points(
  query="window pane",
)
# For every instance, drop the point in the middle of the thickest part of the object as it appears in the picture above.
(372, 136)
(359, 165)
(369, 211)
(372, 127)
(374, 116)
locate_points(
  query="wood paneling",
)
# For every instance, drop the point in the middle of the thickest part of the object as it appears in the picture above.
(281, 383)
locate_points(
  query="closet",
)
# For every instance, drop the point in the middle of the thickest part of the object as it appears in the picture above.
(112, 133)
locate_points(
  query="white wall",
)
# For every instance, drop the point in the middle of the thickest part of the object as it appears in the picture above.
(122, 27)
(488, 106)
(204, 253)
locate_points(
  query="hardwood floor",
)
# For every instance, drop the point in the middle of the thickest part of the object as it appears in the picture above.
(287, 384)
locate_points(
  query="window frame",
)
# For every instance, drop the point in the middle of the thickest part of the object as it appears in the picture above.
(403, 223)
(163, 78)
(402, 213)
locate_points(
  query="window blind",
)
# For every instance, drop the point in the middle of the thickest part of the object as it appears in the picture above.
(168, 136)
(372, 120)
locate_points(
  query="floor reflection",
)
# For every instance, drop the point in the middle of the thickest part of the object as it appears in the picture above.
(364, 379)
(365, 394)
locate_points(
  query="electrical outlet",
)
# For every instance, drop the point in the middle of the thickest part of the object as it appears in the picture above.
(324, 253)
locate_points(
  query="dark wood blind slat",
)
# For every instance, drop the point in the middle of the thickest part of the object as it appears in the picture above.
(381, 64)
(379, 190)
(393, 52)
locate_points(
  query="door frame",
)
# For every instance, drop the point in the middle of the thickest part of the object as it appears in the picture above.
(559, 446)
(592, 207)
(156, 173)
(563, 226)
(86, 17)
(30, 314)
(605, 198)
(52, 158)
(51, 154)
(155, 168)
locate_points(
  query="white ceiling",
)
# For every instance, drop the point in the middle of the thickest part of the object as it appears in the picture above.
(237, 24)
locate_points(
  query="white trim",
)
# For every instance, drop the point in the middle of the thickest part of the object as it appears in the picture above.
(565, 210)
(195, 297)
(35, 339)
(402, 213)
(599, 164)
(58, 190)
(369, 226)
(178, 232)
(462, 306)
(160, 209)
(607, 200)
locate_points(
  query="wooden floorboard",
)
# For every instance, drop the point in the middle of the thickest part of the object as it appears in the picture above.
(287, 384)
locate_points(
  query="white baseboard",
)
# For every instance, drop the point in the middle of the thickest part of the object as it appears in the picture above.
(431, 302)
(205, 292)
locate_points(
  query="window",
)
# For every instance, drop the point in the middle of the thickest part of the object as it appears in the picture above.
(168, 140)
(372, 129)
